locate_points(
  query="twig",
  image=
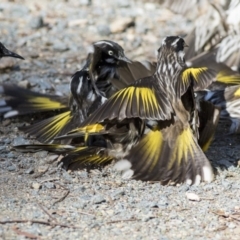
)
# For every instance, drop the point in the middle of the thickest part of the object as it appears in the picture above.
(64, 196)
(49, 180)
(226, 216)
(124, 220)
(84, 213)
(237, 219)
(220, 229)
(25, 234)
(220, 214)
(37, 221)
(206, 198)
(37, 175)
(44, 210)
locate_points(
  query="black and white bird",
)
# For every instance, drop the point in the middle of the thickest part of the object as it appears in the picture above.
(106, 70)
(150, 127)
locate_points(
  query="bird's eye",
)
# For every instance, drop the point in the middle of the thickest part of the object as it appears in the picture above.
(110, 52)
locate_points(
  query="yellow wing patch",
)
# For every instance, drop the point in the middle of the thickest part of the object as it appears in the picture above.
(88, 155)
(195, 72)
(57, 124)
(92, 128)
(228, 79)
(144, 97)
(183, 148)
(237, 93)
(46, 103)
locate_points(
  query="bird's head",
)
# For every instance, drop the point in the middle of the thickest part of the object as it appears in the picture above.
(174, 45)
(111, 52)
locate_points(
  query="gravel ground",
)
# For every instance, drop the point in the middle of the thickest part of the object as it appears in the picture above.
(38, 199)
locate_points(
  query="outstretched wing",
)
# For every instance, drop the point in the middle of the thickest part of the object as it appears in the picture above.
(144, 99)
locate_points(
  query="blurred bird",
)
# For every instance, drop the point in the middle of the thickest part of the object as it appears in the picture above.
(4, 52)
(224, 77)
(151, 126)
(216, 30)
(228, 100)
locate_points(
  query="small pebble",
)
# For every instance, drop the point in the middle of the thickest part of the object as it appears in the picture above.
(19, 141)
(42, 169)
(97, 199)
(231, 225)
(12, 168)
(192, 197)
(29, 171)
(121, 24)
(36, 185)
(36, 22)
(49, 185)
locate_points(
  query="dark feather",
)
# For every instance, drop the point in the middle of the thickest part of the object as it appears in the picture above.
(22, 101)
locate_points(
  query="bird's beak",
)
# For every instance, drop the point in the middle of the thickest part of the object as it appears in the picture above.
(185, 45)
(7, 53)
(125, 59)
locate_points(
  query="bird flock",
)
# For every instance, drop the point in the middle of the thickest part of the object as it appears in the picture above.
(154, 120)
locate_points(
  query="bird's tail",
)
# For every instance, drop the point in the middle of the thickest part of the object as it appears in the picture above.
(170, 156)
(21, 101)
(46, 130)
(75, 157)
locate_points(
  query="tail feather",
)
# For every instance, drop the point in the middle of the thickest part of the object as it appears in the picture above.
(90, 156)
(55, 148)
(162, 156)
(75, 157)
(209, 116)
(20, 101)
(47, 130)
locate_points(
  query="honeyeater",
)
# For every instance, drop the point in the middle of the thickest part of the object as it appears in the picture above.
(150, 127)
(216, 30)
(98, 79)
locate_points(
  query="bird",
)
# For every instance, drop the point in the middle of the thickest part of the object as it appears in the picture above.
(224, 77)
(20, 101)
(217, 33)
(89, 88)
(4, 52)
(216, 29)
(151, 126)
(228, 101)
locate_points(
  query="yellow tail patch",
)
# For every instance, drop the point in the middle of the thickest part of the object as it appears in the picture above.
(88, 155)
(152, 144)
(46, 103)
